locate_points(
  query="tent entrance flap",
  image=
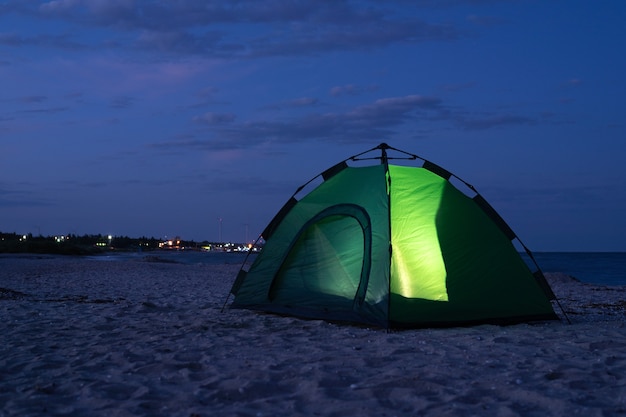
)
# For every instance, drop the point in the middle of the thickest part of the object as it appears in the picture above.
(327, 262)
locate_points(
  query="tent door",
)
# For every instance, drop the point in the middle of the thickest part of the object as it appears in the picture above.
(328, 261)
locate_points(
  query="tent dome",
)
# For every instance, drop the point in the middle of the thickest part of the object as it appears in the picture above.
(394, 246)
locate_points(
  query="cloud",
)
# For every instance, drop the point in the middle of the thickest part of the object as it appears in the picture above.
(310, 39)
(300, 102)
(11, 39)
(364, 123)
(211, 118)
(351, 90)
(203, 98)
(374, 121)
(238, 28)
(439, 4)
(63, 41)
(453, 88)
(33, 99)
(112, 8)
(572, 82)
(182, 14)
(74, 96)
(50, 110)
(122, 102)
(391, 110)
(181, 42)
(379, 120)
(10, 198)
(206, 93)
(485, 20)
(494, 121)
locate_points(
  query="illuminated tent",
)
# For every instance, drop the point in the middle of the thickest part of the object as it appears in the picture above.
(394, 246)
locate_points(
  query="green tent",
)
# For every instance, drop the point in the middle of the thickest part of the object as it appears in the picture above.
(394, 246)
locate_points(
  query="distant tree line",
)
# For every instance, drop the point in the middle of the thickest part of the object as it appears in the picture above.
(80, 245)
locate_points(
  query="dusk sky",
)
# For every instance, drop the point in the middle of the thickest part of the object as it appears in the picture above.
(160, 118)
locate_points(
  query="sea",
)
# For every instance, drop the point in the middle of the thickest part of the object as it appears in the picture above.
(604, 268)
(182, 257)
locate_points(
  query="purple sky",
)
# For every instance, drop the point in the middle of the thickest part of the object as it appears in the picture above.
(131, 117)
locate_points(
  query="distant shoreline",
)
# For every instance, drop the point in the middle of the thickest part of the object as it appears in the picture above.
(103, 244)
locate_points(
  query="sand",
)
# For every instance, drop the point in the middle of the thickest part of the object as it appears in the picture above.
(85, 337)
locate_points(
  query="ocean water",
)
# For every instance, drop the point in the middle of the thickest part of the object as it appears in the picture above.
(606, 268)
(183, 257)
(592, 267)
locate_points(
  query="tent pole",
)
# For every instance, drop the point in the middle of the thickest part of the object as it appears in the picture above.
(385, 161)
(383, 157)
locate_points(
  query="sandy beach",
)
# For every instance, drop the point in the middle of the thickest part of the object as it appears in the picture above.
(84, 337)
